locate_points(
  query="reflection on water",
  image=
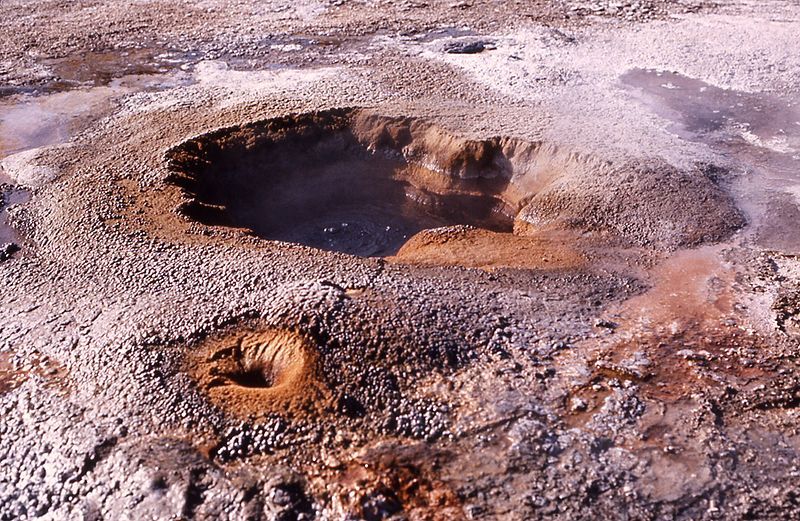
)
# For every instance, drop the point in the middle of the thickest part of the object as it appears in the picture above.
(9, 197)
(30, 121)
(85, 90)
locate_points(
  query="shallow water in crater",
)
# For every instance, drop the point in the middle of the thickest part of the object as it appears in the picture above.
(318, 180)
(354, 206)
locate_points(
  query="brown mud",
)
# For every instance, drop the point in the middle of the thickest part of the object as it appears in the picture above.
(479, 248)
(355, 182)
(391, 479)
(9, 378)
(255, 372)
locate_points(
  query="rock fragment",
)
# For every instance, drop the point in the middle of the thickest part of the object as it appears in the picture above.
(468, 47)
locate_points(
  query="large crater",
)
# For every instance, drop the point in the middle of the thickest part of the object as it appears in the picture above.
(344, 180)
(351, 181)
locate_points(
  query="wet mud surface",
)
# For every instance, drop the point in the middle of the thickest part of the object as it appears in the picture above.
(103, 68)
(761, 131)
(400, 261)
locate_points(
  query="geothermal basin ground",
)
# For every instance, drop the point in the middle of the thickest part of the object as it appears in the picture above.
(356, 259)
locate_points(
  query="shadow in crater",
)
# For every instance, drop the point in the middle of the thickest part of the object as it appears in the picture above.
(339, 182)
